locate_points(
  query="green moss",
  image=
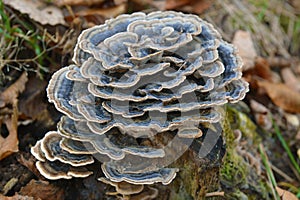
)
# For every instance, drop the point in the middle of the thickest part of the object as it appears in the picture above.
(238, 179)
(233, 172)
(190, 181)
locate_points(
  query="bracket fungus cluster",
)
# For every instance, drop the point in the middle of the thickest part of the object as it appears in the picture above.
(137, 78)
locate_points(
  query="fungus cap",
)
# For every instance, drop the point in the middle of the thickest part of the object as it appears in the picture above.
(137, 78)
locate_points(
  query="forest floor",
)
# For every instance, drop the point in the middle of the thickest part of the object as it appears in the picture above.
(37, 37)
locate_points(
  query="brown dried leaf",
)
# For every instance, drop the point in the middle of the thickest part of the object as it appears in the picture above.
(29, 163)
(172, 4)
(242, 40)
(9, 144)
(42, 190)
(200, 6)
(10, 95)
(38, 10)
(285, 195)
(282, 96)
(262, 69)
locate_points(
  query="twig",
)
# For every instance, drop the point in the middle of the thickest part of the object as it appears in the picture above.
(212, 194)
(281, 173)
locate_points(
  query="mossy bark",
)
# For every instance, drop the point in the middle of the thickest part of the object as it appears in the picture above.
(197, 176)
(230, 173)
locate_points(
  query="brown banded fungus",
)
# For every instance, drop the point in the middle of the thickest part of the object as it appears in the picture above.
(135, 79)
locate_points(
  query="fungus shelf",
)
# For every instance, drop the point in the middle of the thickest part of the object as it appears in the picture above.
(144, 90)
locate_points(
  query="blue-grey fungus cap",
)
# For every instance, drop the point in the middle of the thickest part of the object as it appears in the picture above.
(135, 77)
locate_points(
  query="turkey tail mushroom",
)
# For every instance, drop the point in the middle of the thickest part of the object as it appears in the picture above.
(137, 78)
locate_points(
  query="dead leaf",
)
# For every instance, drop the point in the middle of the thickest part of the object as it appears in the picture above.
(9, 97)
(12, 92)
(285, 195)
(290, 79)
(189, 6)
(200, 6)
(243, 41)
(29, 163)
(282, 96)
(262, 69)
(9, 144)
(38, 10)
(173, 4)
(42, 190)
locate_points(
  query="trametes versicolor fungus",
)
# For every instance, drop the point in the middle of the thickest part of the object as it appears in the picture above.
(136, 78)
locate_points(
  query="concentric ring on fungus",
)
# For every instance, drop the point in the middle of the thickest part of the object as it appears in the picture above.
(137, 78)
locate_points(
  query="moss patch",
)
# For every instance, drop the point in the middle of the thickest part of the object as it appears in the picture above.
(238, 178)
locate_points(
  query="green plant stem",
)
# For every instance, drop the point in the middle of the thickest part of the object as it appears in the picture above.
(269, 171)
(286, 147)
